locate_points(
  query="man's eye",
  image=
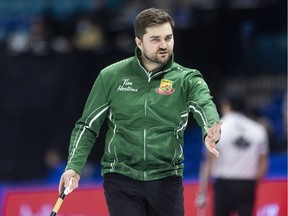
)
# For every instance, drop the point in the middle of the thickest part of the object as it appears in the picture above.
(168, 38)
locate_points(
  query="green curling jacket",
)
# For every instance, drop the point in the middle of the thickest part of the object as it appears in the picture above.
(147, 114)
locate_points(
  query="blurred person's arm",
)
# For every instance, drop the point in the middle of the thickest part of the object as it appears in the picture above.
(263, 161)
(262, 167)
(204, 179)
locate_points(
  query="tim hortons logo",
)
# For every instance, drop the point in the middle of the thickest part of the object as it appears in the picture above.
(127, 86)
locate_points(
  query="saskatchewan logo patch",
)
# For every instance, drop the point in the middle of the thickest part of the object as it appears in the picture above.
(165, 87)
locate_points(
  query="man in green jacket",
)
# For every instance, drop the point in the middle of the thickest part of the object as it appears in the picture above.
(146, 100)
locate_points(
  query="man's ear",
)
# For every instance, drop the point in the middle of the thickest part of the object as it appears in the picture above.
(138, 42)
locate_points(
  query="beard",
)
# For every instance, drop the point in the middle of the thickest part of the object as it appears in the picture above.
(158, 57)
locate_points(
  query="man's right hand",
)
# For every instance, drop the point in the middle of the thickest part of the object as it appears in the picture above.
(65, 180)
(200, 201)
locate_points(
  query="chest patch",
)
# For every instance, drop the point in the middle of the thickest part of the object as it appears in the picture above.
(166, 87)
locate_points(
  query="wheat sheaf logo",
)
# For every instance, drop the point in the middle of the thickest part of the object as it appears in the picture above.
(165, 88)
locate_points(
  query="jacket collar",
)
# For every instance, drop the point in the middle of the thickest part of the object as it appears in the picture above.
(166, 67)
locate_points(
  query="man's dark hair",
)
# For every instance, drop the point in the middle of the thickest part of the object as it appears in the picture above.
(150, 17)
(236, 101)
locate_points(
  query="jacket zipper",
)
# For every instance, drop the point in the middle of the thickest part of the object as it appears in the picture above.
(145, 125)
(145, 115)
(145, 129)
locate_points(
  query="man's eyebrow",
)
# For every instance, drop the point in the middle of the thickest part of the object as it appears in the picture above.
(156, 36)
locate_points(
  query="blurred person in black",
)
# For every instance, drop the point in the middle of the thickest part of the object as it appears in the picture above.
(243, 163)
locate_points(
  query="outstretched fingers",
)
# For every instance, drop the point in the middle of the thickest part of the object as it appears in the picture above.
(213, 135)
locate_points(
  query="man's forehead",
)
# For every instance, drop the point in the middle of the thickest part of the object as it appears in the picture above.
(159, 30)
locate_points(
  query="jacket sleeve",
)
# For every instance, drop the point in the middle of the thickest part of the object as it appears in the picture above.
(87, 128)
(200, 102)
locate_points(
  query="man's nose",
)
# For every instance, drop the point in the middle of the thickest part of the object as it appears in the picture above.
(163, 44)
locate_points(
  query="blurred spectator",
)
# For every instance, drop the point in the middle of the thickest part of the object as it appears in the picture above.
(61, 44)
(91, 171)
(88, 35)
(242, 163)
(17, 42)
(55, 165)
(125, 16)
(40, 36)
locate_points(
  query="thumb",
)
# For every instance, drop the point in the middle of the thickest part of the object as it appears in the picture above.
(67, 179)
(68, 189)
(215, 152)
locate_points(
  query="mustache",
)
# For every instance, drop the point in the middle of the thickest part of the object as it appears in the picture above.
(161, 49)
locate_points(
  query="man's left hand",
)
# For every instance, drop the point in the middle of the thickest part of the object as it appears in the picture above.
(212, 137)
